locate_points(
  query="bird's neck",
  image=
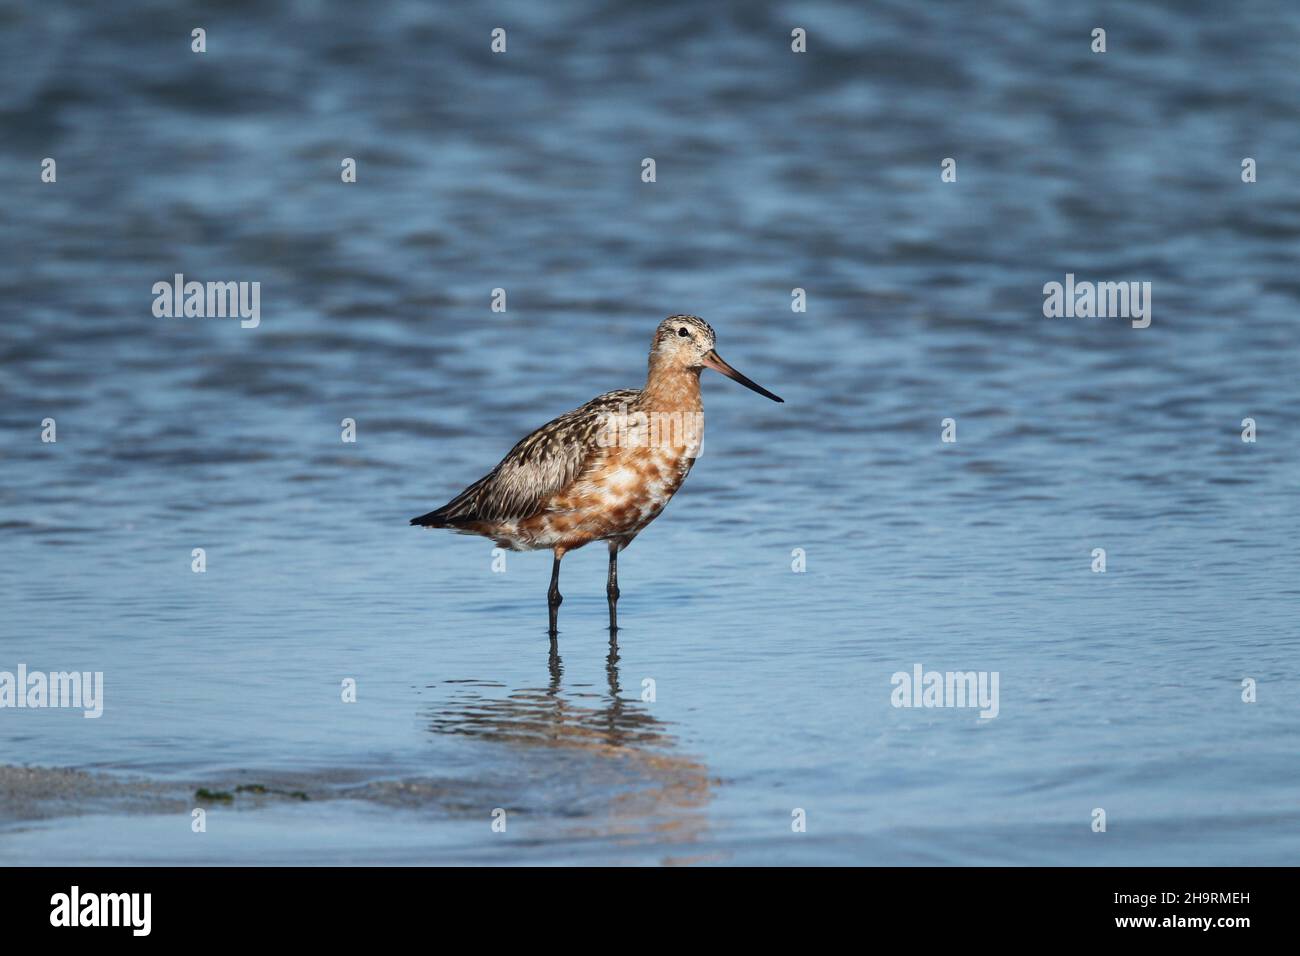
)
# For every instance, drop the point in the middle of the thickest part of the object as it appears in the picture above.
(671, 389)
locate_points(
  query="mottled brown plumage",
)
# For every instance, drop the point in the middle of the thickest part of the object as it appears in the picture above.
(601, 472)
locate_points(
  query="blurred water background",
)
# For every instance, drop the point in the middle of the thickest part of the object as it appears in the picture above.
(819, 171)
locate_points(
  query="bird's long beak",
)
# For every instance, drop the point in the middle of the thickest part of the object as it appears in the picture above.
(714, 361)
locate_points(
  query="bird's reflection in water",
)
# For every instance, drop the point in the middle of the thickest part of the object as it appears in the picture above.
(609, 765)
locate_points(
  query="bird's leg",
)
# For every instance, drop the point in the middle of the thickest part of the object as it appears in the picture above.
(611, 587)
(553, 596)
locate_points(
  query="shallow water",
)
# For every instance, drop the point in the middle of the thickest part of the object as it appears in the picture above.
(772, 689)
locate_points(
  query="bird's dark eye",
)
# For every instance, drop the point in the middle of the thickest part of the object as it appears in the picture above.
(683, 333)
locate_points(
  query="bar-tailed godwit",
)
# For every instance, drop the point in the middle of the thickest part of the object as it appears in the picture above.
(601, 472)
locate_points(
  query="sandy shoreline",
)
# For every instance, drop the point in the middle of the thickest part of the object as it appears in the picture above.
(46, 793)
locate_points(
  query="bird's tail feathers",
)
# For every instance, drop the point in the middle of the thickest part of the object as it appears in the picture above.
(434, 519)
(454, 513)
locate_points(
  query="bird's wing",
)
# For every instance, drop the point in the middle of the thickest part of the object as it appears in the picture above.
(541, 464)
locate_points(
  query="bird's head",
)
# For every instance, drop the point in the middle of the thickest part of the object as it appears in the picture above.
(687, 342)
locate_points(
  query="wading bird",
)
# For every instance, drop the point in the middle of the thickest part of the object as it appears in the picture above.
(601, 472)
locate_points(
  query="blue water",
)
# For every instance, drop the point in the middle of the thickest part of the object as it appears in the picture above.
(772, 689)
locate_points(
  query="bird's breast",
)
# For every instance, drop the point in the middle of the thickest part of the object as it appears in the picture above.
(619, 497)
(637, 484)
